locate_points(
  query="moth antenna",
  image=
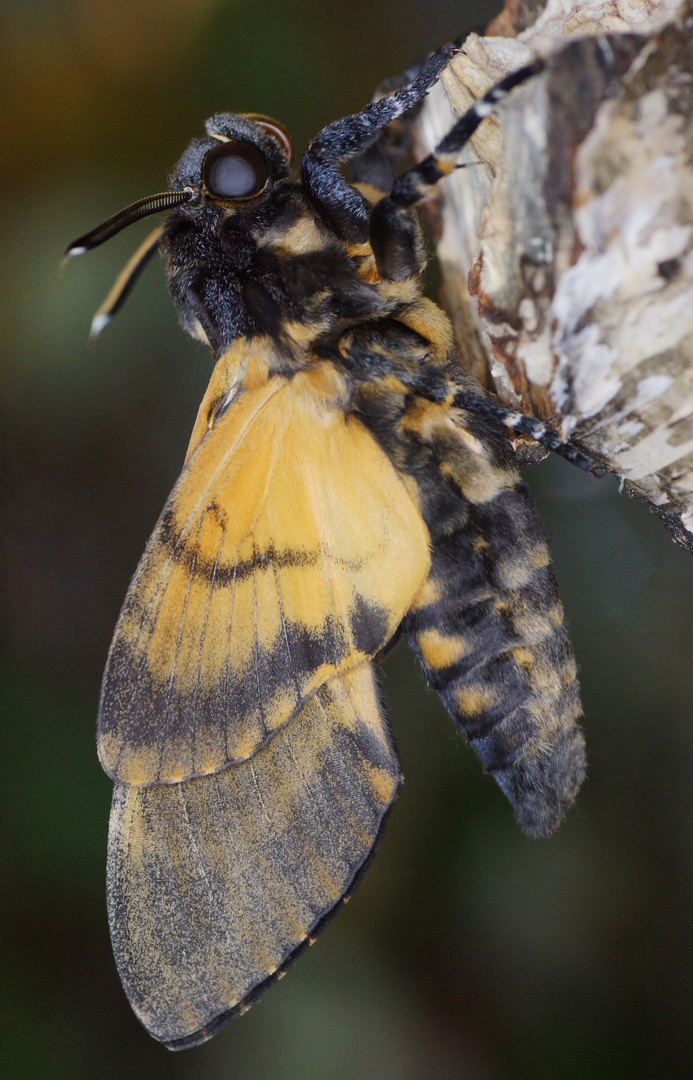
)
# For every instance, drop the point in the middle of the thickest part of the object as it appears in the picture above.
(123, 284)
(152, 204)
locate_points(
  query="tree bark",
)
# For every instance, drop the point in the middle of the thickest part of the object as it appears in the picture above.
(567, 252)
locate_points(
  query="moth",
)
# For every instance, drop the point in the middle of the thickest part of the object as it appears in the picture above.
(346, 482)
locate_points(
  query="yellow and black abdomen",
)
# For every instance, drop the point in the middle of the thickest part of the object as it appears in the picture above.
(488, 629)
(487, 624)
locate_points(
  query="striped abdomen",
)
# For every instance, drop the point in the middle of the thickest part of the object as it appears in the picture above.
(488, 629)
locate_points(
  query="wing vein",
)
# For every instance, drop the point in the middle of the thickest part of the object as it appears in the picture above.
(213, 902)
(162, 581)
(257, 789)
(169, 690)
(281, 609)
(257, 644)
(324, 714)
(298, 770)
(225, 460)
(340, 626)
(203, 632)
(227, 665)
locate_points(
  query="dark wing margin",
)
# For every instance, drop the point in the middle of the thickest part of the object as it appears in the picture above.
(216, 884)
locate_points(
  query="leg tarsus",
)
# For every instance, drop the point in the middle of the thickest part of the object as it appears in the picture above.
(435, 385)
(389, 228)
(342, 205)
(378, 164)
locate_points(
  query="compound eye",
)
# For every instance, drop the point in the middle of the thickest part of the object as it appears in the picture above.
(235, 170)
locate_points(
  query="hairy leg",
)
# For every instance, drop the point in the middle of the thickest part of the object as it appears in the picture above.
(341, 204)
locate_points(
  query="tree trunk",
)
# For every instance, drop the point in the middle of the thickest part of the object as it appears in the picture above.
(567, 253)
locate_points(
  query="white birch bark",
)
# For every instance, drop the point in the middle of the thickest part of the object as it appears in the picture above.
(567, 254)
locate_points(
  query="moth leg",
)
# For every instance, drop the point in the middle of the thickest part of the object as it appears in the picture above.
(435, 384)
(378, 164)
(392, 232)
(446, 385)
(342, 205)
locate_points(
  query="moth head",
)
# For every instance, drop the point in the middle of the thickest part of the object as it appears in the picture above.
(241, 159)
(235, 167)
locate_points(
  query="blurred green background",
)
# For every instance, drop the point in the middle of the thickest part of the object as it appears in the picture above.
(468, 951)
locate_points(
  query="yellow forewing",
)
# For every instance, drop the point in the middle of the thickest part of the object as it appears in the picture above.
(289, 551)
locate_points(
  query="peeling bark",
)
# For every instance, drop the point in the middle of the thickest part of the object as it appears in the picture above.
(567, 253)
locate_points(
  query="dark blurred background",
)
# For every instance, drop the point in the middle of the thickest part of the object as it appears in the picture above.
(468, 951)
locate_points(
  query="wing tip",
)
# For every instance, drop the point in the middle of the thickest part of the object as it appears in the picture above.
(206, 1032)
